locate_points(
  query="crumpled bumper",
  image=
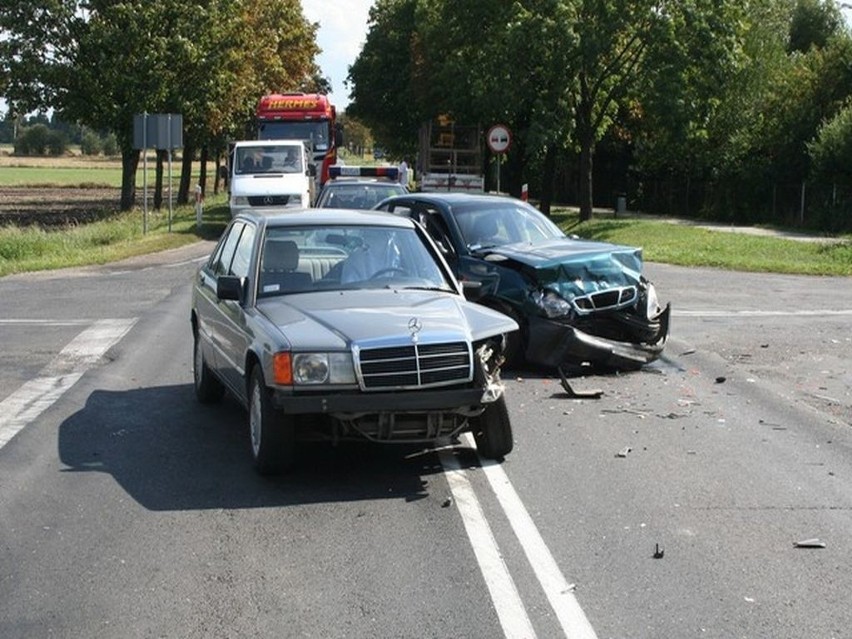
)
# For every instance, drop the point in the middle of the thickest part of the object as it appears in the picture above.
(554, 344)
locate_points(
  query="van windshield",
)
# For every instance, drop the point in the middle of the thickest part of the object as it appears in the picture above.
(268, 159)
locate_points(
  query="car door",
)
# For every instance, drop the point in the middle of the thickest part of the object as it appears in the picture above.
(232, 332)
(207, 304)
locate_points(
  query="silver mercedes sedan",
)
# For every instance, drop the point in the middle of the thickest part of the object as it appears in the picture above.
(341, 324)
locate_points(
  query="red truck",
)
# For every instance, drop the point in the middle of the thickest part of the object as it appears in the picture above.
(302, 116)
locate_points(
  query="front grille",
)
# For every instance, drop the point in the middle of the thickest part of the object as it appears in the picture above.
(268, 200)
(606, 300)
(415, 365)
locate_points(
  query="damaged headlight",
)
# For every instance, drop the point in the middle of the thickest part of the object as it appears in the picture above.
(551, 304)
(652, 303)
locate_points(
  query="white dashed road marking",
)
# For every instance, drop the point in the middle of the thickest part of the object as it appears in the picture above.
(28, 402)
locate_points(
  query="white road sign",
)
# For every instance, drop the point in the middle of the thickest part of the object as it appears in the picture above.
(499, 138)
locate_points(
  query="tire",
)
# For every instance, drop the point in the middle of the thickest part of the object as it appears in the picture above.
(208, 389)
(516, 341)
(493, 431)
(271, 433)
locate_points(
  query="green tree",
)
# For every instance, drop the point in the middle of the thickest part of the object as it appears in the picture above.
(813, 23)
(382, 94)
(831, 150)
(101, 62)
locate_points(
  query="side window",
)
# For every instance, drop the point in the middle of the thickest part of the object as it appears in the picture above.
(242, 255)
(222, 264)
(437, 228)
(399, 209)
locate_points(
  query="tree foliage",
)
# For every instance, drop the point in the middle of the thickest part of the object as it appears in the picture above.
(100, 62)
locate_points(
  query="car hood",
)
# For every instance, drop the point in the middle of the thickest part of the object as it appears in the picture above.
(268, 184)
(335, 320)
(573, 267)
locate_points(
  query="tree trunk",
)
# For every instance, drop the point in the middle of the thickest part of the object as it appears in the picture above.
(587, 146)
(158, 180)
(548, 171)
(202, 171)
(185, 173)
(129, 164)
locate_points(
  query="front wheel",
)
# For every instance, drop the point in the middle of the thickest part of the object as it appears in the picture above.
(272, 433)
(492, 431)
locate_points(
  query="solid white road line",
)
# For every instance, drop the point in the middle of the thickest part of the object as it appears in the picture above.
(559, 592)
(507, 601)
(799, 313)
(28, 402)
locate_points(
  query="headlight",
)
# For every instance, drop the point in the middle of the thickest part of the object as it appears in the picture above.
(551, 303)
(652, 304)
(323, 368)
(294, 200)
(239, 200)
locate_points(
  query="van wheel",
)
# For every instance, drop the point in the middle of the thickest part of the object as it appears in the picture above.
(271, 432)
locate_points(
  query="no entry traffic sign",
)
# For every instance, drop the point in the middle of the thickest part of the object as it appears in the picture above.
(499, 138)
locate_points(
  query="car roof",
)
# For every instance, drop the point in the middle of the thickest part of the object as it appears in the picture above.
(458, 198)
(347, 181)
(320, 217)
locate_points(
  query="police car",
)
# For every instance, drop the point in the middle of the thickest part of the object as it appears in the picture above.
(359, 187)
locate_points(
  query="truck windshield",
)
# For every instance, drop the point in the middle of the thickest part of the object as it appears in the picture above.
(317, 132)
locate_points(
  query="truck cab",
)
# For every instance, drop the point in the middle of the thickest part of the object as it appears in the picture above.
(270, 174)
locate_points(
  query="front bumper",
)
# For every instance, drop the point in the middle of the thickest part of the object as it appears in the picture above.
(553, 344)
(465, 401)
(405, 417)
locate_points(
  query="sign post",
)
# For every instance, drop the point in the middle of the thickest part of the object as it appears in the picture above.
(499, 139)
(157, 131)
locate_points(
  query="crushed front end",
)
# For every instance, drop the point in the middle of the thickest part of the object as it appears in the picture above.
(597, 309)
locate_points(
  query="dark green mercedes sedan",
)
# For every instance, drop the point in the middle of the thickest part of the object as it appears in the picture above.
(576, 301)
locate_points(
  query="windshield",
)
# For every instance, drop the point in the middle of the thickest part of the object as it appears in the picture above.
(357, 196)
(318, 133)
(498, 223)
(333, 257)
(268, 159)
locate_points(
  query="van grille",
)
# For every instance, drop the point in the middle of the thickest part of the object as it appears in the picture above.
(415, 365)
(268, 200)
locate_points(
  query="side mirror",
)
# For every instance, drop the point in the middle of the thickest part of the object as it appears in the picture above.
(223, 172)
(229, 287)
(472, 290)
(312, 170)
(338, 135)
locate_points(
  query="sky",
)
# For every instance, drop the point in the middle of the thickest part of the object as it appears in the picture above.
(341, 34)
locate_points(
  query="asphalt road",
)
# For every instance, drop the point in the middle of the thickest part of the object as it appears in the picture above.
(128, 510)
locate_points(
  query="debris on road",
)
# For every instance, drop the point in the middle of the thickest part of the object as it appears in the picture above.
(623, 452)
(658, 552)
(810, 543)
(721, 379)
(575, 394)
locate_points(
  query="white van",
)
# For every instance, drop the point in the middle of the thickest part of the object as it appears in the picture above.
(271, 174)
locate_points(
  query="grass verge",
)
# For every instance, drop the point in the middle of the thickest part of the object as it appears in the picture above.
(121, 236)
(24, 249)
(687, 245)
